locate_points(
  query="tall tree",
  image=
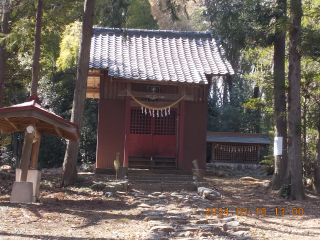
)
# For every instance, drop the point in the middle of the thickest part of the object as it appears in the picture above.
(29, 137)
(4, 30)
(280, 114)
(69, 174)
(294, 106)
(36, 53)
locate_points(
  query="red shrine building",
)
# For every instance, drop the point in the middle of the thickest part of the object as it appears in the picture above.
(152, 88)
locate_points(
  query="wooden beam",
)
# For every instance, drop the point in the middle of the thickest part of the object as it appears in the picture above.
(35, 153)
(12, 124)
(174, 83)
(156, 95)
(26, 154)
(127, 133)
(58, 130)
(181, 134)
(92, 90)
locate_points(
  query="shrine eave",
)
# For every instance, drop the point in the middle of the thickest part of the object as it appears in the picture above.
(17, 117)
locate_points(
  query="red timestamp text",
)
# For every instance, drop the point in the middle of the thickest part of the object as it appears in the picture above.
(257, 211)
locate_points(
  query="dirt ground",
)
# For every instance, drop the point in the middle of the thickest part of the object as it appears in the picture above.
(81, 213)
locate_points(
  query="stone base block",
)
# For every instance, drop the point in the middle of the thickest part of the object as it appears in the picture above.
(34, 176)
(22, 192)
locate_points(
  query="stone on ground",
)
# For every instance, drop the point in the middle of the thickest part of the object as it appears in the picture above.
(230, 225)
(249, 179)
(163, 228)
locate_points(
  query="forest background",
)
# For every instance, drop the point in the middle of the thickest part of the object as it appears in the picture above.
(246, 30)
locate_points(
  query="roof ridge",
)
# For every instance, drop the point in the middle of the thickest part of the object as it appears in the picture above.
(172, 33)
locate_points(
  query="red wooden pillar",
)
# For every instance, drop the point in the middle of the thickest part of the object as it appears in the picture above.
(181, 133)
(99, 134)
(127, 132)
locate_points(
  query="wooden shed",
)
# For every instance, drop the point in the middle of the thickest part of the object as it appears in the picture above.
(152, 88)
(236, 147)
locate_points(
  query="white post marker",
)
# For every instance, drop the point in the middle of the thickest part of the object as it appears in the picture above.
(277, 147)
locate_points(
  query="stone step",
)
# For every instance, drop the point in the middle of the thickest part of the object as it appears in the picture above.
(161, 181)
(160, 176)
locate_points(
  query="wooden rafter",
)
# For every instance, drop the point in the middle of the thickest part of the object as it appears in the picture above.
(12, 124)
(58, 130)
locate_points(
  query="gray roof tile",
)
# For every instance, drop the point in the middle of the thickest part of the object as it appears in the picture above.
(158, 55)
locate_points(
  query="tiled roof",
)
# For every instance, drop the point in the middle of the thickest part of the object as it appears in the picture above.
(15, 118)
(244, 138)
(157, 55)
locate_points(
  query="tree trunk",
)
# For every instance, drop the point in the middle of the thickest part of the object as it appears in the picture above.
(4, 30)
(316, 180)
(34, 82)
(69, 174)
(305, 170)
(214, 88)
(294, 106)
(36, 54)
(280, 115)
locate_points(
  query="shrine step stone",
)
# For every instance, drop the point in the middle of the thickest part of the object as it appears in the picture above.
(162, 182)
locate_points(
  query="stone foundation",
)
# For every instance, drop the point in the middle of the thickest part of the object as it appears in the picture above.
(236, 169)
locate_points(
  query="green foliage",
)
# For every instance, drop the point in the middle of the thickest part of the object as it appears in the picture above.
(268, 161)
(86, 166)
(88, 141)
(111, 13)
(241, 24)
(69, 46)
(234, 115)
(5, 139)
(139, 15)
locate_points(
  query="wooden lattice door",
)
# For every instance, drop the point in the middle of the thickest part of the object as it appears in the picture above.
(152, 136)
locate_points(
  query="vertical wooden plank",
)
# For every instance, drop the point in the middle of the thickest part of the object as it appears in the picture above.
(106, 85)
(102, 83)
(129, 86)
(111, 132)
(181, 133)
(110, 80)
(127, 132)
(203, 98)
(196, 93)
(212, 152)
(115, 91)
